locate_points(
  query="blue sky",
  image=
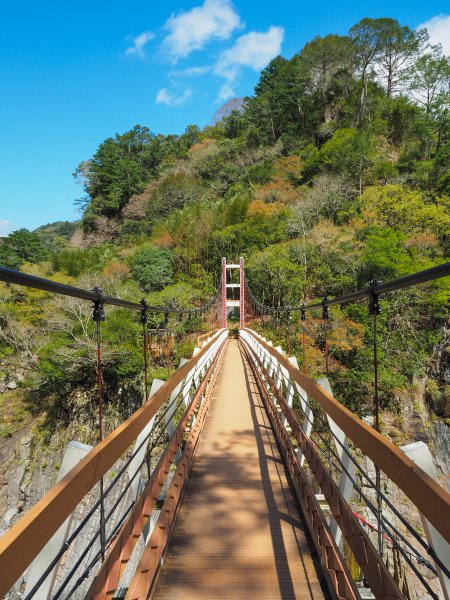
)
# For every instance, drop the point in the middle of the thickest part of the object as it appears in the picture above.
(74, 73)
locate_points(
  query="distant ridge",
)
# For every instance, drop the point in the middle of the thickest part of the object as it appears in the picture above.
(226, 109)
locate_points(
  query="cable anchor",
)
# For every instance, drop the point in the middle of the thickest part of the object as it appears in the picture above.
(374, 300)
(98, 313)
(325, 311)
(143, 318)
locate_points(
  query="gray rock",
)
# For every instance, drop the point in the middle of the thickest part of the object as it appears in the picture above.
(446, 376)
(8, 516)
(366, 593)
(11, 385)
(15, 490)
(25, 449)
(17, 587)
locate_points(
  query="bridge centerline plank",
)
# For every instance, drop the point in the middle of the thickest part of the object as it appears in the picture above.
(238, 533)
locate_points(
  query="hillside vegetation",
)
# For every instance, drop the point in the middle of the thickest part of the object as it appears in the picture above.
(334, 173)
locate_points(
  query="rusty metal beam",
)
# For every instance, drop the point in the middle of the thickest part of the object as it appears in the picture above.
(428, 496)
(23, 542)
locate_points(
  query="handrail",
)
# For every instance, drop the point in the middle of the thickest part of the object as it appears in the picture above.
(369, 292)
(21, 544)
(47, 285)
(122, 547)
(432, 500)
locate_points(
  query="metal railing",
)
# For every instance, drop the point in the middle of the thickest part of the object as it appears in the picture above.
(95, 296)
(321, 439)
(21, 544)
(373, 290)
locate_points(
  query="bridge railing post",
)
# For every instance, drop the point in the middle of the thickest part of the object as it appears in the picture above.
(140, 448)
(172, 405)
(274, 366)
(374, 310)
(348, 473)
(99, 315)
(309, 414)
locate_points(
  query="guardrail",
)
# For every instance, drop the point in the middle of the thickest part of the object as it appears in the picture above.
(96, 295)
(374, 290)
(22, 543)
(326, 459)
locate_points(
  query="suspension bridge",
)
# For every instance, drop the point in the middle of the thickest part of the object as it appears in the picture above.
(239, 477)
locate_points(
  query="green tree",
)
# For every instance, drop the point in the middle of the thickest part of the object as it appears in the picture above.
(273, 277)
(441, 172)
(399, 47)
(384, 49)
(235, 124)
(365, 36)
(22, 246)
(120, 168)
(405, 209)
(326, 59)
(174, 191)
(237, 202)
(151, 268)
(191, 135)
(384, 256)
(349, 152)
(271, 110)
(75, 261)
(430, 79)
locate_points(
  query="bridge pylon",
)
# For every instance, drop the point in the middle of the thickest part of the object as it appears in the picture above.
(231, 302)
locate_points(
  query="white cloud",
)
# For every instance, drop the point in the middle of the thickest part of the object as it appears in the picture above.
(439, 30)
(227, 89)
(165, 97)
(5, 227)
(192, 30)
(190, 72)
(137, 49)
(254, 50)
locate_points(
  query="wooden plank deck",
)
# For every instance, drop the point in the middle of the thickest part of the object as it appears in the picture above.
(238, 534)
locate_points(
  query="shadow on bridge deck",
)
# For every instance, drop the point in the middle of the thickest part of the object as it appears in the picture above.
(238, 533)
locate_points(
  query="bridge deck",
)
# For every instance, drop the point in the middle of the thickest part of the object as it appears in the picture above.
(238, 533)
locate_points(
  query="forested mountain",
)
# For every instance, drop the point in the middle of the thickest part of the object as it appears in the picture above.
(333, 173)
